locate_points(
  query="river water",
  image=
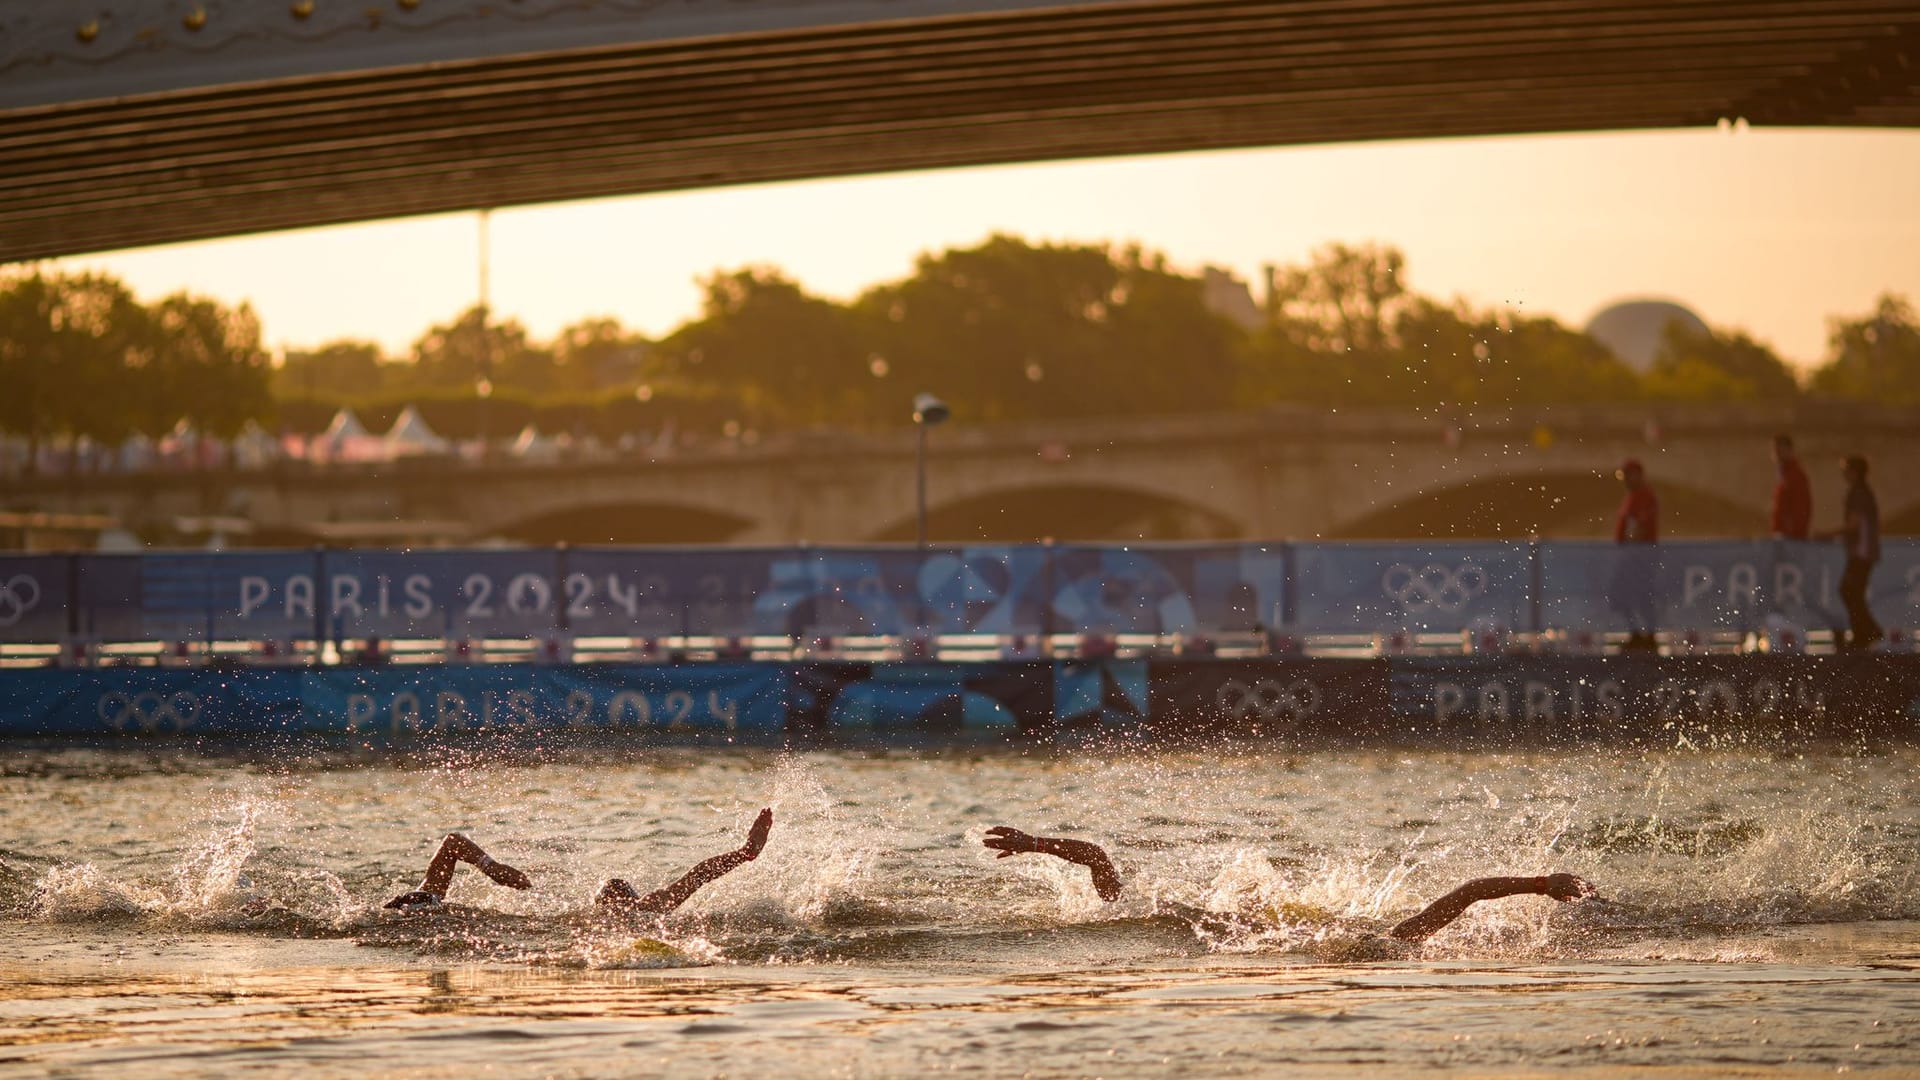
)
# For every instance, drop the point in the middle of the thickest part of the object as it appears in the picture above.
(168, 913)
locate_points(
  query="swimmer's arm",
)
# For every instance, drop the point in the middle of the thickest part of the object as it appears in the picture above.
(1010, 841)
(1563, 887)
(454, 850)
(662, 900)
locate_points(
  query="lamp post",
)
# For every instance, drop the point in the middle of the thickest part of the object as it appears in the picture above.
(927, 411)
(483, 387)
(483, 393)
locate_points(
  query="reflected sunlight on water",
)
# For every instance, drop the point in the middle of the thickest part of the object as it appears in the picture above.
(194, 914)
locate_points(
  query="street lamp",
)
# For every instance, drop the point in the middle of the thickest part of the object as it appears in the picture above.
(927, 411)
(483, 392)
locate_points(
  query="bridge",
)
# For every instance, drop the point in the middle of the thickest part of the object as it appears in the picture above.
(134, 122)
(1300, 473)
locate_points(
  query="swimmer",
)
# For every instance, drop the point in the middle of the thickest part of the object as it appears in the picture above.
(1106, 881)
(615, 894)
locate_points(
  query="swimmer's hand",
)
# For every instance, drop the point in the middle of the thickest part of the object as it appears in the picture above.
(1011, 841)
(1567, 888)
(621, 895)
(502, 874)
(757, 835)
(1008, 840)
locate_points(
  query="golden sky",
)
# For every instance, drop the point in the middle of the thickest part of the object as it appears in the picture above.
(1768, 231)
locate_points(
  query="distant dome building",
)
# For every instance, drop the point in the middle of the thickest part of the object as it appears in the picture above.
(1633, 329)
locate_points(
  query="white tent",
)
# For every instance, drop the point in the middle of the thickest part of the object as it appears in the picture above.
(534, 447)
(411, 437)
(344, 425)
(346, 439)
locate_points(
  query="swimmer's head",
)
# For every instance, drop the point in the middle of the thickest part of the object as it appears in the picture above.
(617, 891)
(417, 900)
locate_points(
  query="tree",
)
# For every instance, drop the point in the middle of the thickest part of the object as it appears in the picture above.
(208, 358)
(785, 354)
(1345, 330)
(1330, 336)
(1344, 300)
(1010, 330)
(453, 358)
(1874, 358)
(1692, 366)
(599, 354)
(66, 345)
(338, 370)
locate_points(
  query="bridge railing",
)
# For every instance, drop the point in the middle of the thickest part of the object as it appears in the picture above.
(982, 591)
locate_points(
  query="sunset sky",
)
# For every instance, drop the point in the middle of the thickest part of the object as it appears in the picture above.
(1771, 232)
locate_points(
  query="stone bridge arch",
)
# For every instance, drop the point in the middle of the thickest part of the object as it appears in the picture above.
(1560, 486)
(708, 502)
(642, 522)
(1069, 511)
(1556, 503)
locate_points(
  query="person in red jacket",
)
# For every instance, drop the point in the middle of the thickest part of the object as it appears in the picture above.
(1638, 520)
(1636, 527)
(1792, 517)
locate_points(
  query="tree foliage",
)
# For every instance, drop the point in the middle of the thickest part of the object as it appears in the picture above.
(1718, 366)
(1875, 357)
(80, 356)
(1005, 330)
(1010, 331)
(1346, 330)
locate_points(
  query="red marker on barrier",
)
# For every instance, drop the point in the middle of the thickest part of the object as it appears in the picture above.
(1094, 646)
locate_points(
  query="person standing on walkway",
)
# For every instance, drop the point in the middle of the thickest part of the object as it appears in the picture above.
(1636, 528)
(1792, 517)
(1860, 532)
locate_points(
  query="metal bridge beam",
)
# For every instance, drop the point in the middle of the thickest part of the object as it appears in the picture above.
(169, 120)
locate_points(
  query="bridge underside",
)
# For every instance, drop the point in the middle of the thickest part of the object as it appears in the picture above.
(1015, 84)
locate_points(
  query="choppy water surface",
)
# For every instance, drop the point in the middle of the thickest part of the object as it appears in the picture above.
(1759, 911)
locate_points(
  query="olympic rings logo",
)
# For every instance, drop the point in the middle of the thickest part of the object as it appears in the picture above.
(1433, 587)
(18, 595)
(1268, 700)
(149, 710)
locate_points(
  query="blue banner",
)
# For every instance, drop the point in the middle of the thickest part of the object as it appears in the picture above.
(1168, 590)
(201, 596)
(453, 594)
(708, 700)
(1717, 586)
(34, 597)
(719, 700)
(1450, 701)
(1414, 588)
(661, 593)
(1003, 590)
(1699, 701)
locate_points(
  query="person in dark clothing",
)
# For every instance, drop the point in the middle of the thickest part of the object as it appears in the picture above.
(1860, 532)
(1792, 517)
(1636, 527)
